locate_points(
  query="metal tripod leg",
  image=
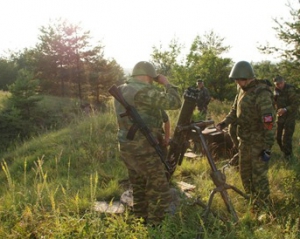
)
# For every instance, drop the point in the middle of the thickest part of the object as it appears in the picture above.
(219, 180)
(223, 191)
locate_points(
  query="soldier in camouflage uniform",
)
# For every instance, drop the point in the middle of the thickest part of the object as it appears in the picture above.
(253, 111)
(203, 98)
(286, 102)
(145, 170)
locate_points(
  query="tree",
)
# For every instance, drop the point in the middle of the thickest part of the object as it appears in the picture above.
(204, 59)
(8, 73)
(266, 70)
(70, 66)
(24, 93)
(165, 61)
(17, 118)
(102, 74)
(289, 53)
(65, 49)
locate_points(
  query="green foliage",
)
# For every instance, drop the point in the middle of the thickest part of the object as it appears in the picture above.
(166, 61)
(266, 70)
(49, 185)
(24, 113)
(8, 73)
(17, 117)
(203, 59)
(69, 66)
(23, 93)
(50, 182)
(287, 31)
(66, 64)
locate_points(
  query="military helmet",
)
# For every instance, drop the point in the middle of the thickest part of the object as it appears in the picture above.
(242, 70)
(144, 68)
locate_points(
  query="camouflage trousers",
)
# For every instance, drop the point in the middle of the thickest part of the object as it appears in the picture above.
(253, 171)
(284, 136)
(151, 192)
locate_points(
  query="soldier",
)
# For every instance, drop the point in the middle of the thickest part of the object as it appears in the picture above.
(286, 102)
(203, 98)
(253, 111)
(145, 170)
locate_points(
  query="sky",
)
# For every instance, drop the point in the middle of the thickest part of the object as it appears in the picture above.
(129, 29)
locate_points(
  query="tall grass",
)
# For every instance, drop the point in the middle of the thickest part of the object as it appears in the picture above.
(50, 183)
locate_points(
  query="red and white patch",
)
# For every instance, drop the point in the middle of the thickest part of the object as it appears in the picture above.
(268, 118)
(268, 121)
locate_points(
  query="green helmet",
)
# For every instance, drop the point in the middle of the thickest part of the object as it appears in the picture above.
(242, 70)
(144, 68)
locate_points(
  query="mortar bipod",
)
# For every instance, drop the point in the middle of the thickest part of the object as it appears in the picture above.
(218, 178)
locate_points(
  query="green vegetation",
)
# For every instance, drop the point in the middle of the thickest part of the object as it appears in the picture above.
(49, 185)
(57, 160)
(68, 63)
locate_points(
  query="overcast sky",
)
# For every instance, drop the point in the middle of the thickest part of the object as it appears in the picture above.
(130, 28)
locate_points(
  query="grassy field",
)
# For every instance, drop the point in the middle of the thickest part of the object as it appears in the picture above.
(49, 186)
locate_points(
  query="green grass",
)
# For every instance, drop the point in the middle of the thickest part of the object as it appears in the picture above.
(49, 185)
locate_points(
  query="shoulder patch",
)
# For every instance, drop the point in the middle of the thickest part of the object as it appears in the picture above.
(268, 118)
(268, 121)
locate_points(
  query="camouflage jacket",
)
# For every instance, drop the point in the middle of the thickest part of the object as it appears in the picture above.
(253, 111)
(289, 99)
(149, 102)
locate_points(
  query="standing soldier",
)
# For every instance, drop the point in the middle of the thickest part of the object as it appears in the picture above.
(253, 111)
(203, 98)
(286, 102)
(146, 171)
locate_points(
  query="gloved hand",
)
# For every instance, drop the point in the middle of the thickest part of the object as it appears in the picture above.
(265, 155)
(220, 126)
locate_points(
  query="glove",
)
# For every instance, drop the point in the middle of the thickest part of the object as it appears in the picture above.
(221, 125)
(265, 155)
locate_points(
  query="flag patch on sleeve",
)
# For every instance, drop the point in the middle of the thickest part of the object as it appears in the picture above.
(268, 118)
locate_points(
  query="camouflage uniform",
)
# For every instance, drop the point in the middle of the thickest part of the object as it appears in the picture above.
(145, 169)
(253, 111)
(203, 99)
(286, 98)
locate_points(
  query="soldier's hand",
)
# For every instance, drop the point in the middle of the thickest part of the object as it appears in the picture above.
(220, 126)
(161, 79)
(265, 155)
(281, 111)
